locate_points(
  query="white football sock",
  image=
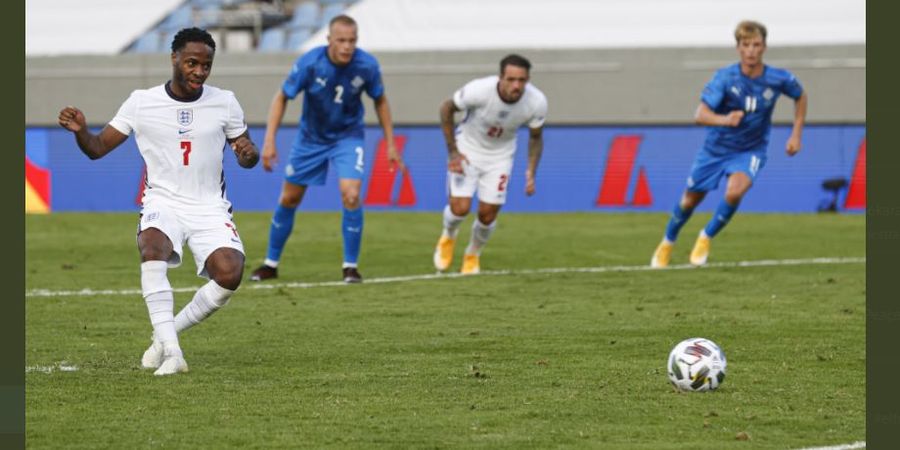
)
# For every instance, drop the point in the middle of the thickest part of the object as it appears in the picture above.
(160, 304)
(451, 223)
(206, 301)
(480, 235)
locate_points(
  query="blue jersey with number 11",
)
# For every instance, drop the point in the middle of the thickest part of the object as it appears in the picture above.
(731, 90)
(332, 100)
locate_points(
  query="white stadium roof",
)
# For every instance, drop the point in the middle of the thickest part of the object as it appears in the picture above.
(56, 27)
(423, 25)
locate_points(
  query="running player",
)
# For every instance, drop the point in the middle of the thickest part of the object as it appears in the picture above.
(737, 107)
(481, 153)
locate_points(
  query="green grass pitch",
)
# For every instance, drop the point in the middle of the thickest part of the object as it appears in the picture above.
(517, 359)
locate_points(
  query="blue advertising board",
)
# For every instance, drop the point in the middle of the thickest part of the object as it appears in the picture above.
(584, 168)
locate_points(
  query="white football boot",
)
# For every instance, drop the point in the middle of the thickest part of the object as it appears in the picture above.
(153, 357)
(172, 365)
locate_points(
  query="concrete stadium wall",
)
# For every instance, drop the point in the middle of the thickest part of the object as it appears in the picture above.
(591, 86)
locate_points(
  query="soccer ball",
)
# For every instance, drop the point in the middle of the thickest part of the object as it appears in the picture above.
(696, 365)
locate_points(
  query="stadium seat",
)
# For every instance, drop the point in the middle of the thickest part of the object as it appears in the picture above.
(207, 3)
(271, 40)
(180, 18)
(208, 16)
(329, 12)
(238, 41)
(166, 45)
(306, 15)
(296, 39)
(147, 43)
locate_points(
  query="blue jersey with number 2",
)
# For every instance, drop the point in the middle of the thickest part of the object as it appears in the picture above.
(730, 90)
(332, 100)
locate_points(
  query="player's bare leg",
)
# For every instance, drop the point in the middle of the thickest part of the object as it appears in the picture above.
(482, 228)
(738, 185)
(280, 230)
(454, 213)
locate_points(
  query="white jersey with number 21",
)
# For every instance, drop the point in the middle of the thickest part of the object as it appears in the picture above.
(488, 131)
(182, 143)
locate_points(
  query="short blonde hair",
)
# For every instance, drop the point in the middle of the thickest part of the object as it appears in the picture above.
(749, 28)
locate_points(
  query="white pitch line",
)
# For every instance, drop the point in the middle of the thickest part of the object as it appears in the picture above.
(602, 269)
(855, 445)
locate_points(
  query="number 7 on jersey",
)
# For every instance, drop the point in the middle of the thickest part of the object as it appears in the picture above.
(186, 146)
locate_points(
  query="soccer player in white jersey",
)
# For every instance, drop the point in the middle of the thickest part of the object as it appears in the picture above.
(481, 152)
(181, 128)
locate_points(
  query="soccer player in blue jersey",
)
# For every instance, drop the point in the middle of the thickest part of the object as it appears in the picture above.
(737, 107)
(333, 79)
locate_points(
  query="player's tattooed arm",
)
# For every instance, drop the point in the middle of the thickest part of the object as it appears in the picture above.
(535, 149)
(95, 146)
(245, 150)
(455, 158)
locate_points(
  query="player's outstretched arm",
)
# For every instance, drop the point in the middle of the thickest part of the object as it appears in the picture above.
(383, 111)
(273, 121)
(706, 116)
(245, 150)
(535, 149)
(793, 144)
(455, 158)
(93, 145)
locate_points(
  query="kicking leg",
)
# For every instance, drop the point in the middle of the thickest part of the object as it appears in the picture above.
(225, 267)
(156, 249)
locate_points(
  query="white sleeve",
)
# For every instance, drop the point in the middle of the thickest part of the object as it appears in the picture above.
(469, 96)
(235, 125)
(124, 121)
(540, 113)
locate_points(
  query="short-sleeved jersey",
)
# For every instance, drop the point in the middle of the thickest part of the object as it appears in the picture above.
(332, 100)
(731, 90)
(490, 124)
(183, 143)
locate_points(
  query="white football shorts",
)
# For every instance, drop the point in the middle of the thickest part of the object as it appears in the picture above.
(204, 231)
(489, 178)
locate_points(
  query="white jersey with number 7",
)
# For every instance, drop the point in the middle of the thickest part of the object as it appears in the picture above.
(182, 143)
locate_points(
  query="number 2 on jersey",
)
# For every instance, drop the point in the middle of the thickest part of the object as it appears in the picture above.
(503, 180)
(186, 146)
(339, 94)
(495, 132)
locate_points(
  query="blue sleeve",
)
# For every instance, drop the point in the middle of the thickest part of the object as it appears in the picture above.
(296, 80)
(713, 92)
(792, 87)
(374, 86)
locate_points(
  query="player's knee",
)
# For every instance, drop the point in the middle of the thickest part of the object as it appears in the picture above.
(230, 280)
(289, 200)
(155, 252)
(350, 199)
(487, 217)
(459, 210)
(734, 197)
